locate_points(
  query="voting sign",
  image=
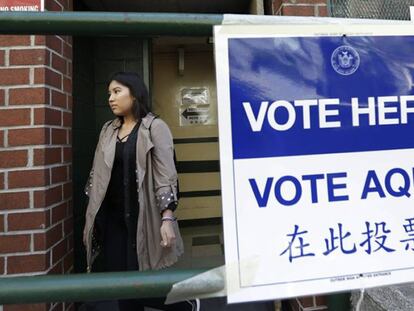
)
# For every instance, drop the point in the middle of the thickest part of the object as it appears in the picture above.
(316, 129)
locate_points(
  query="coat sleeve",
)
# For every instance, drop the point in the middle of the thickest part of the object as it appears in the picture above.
(98, 146)
(164, 171)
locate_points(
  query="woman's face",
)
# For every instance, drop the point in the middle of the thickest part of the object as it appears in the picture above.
(120, 99)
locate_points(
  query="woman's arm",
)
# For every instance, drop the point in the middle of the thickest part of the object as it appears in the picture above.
(164, 171)
(165, 179)
(88, 184)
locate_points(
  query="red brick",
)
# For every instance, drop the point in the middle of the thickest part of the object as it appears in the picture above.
(67, 190)
(27, 307)
(69, 39)
(14, 200)
(13, 158)
(47, 156)
(45, 198)
(29, 178)
(1, 223)
(69, 239)
(67, 154)
(68, 226)
(306, 302)
(70, 101)
(68, 262)
(14, 76)
(67, 119)
(67, 85)
(59, 251)
(323, 11)
(43, 241)
(47, 116)
(294, 306)
(302, 10)
(58, 99)
(276, 5)
(2, 181)
(29, 96)
(29, 57)
(67, 51)
(54, 43)
(56, 269)
(2, 98)
(14, 243)
(59, 63)
(2, 53)
(28, 220)
(27, 263)
(59, 137)
(1, 138)
(40, 40)
(58, 307)
(53, 6)
(2, 265)
(59, 213)
(48, 77)
(12, 117)
(70, 69)
(59, 174)
(321, 301)
(31, 136)
(14, 40)
(305, 1)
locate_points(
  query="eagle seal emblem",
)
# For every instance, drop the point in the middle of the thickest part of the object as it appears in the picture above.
(345, 60)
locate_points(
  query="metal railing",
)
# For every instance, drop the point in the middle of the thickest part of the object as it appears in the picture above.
(108, 23)
(91, 286)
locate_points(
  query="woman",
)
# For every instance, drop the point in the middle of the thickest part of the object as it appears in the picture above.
(132, 189)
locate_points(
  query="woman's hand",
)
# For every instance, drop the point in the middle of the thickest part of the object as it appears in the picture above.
(167, 230)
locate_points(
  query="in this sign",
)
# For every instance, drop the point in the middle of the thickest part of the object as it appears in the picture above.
(195, 107)
(21, 5)
(316, 157)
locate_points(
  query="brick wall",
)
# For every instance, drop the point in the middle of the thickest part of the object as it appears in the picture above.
(300, 7)
(35, 156)
(303, 8)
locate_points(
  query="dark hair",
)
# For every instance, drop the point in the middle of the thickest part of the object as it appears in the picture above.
(136, 88)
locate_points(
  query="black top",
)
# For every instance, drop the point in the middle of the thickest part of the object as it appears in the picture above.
(118, 215)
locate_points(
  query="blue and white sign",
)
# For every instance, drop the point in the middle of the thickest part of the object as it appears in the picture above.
(316, 131)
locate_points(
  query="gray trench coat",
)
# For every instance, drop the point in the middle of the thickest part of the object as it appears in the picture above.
(157, 187)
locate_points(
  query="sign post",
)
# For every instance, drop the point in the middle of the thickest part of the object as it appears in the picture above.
(316, 131)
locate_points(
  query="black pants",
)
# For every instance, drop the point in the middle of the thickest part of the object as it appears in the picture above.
(118, 255)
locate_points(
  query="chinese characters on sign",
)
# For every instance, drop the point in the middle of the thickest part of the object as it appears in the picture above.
(316, 156)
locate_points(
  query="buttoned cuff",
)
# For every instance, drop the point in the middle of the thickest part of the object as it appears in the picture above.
(88, 185)
(166, 200)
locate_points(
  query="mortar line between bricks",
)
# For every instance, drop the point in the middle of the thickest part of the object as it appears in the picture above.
(43, 252)
(29, 231)
(32, 210)
(31, 76)
(36, 168)
(42, 188)
(6, 97)
(7, 57)
(25, 147)
(24, 274)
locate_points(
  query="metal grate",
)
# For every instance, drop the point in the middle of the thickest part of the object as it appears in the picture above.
(374, 9)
